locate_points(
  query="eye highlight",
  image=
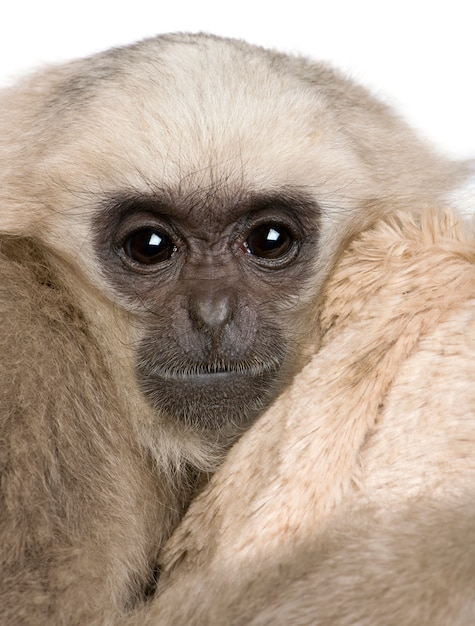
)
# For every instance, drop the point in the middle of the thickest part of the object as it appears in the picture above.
(269, 241)
(148, 246)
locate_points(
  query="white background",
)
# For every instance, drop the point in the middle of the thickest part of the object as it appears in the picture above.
(417, 54)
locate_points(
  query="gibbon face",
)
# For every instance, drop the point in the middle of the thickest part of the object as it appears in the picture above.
(205, 187)
(208, 277)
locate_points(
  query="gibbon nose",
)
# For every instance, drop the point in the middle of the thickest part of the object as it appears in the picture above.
(212, 310)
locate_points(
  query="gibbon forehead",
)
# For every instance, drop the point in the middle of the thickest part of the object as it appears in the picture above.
(190, 106)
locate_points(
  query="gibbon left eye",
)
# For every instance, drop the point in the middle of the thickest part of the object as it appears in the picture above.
(148, 246)
(269, 241)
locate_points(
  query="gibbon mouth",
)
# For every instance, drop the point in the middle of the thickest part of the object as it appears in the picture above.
(211, 377)
(215, 373)
(211, 398)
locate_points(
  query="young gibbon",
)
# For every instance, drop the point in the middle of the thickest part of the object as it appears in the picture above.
(170, 213)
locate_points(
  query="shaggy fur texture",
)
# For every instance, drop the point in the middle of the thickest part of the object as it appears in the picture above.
(81, 510)
(93, 477)
(352, 500)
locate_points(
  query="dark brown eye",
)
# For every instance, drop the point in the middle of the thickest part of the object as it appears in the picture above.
(148, 246)
(269, 241)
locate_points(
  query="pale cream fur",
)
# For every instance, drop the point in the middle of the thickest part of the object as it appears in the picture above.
(362, 474)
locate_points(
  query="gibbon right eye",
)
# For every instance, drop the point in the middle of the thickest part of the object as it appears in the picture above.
(148, 246)
(269, 241)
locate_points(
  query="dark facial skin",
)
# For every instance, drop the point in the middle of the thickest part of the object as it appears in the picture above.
(217, 285)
